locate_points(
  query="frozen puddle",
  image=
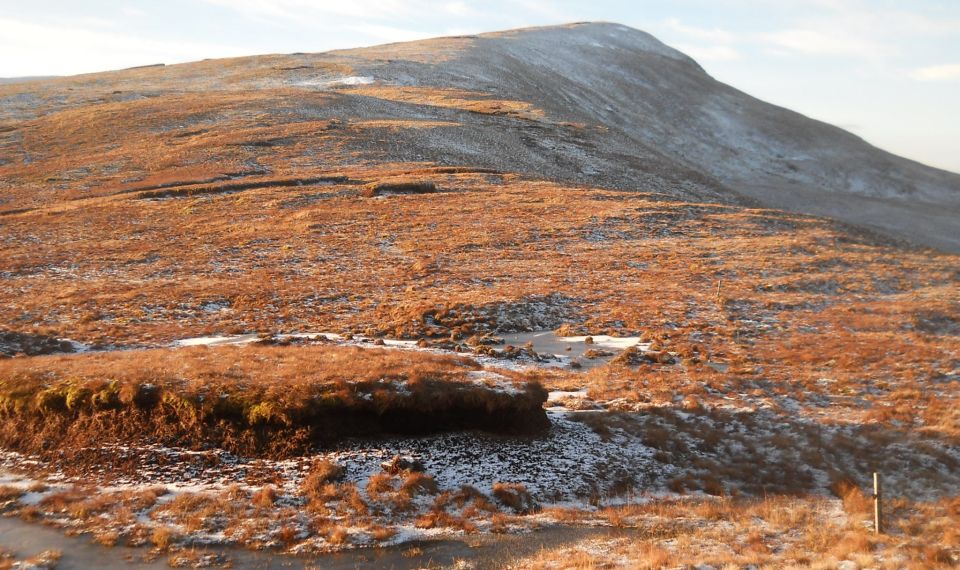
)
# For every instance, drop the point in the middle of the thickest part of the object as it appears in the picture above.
(240, 339)
(569, 348)
(599, 349)
(221, 340)
(216, 340)
(558, 395)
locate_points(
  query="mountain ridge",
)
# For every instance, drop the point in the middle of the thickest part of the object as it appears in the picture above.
(604, 105)
(899, 195)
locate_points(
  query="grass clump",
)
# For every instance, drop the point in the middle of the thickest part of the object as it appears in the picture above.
(515, 496)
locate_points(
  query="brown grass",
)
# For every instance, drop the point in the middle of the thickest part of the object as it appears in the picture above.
(380, 484)
(777, 532)
(46, 560)
(264, 399)
(453, 98)
(855, 502)
(163, 537)
(515, 496)
(420, 267)
(818, 324)
(419, 483)
(321, 474)
(265, 497)
(10, 493)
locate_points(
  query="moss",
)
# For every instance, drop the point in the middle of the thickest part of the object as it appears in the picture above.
(51, 400)
(328, 401)
(141, 395)
(15, 403)
(186, 408)
(107, 398)
(267, 413)
(77, 397)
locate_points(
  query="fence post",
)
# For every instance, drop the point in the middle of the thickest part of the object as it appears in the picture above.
(877, 508)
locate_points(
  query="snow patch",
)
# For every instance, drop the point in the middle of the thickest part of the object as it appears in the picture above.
(604, 341)
(495, 382)
(340, 82)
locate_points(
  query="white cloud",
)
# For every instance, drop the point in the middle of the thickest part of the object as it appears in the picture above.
(947, 72)
(711, 35)
(709, 53)
(817, 42)
(93, 22)
(389, 33)
(303, 10)
(459, 9)
(41, 49)
(702, 44)
(257, 9)
(132, 11)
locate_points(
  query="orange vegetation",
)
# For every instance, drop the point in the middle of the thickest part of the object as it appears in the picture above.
(277, 400)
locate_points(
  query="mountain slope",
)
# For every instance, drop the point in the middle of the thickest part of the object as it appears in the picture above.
(595, 104)
(418, 238)
(653, 99)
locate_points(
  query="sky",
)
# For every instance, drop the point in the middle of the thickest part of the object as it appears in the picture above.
(886, 70)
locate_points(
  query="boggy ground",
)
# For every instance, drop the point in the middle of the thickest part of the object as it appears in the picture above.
(786, 356)
(805, 309)
(696, 479)
(825, 355)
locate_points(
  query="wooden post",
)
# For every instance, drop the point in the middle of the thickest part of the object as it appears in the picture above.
(877, 508)
(719, 283)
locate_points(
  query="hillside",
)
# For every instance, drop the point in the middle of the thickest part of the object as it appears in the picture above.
(595, 104)
(553, 280)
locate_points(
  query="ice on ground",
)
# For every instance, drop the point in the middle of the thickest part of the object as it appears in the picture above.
(354, 80)
(400, 343)
(568, 463)
(220, 340)
(578, 400)
(563, 349)
(568, 348)
(495, 382)
(216, 340)
(342, 81)
(547, 342)
(604, 341)
(557, 395)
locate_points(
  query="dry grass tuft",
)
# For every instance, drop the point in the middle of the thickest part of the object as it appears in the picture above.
(419, 483)
(265, 497)
(855, 502)
(162, 537)
(515, 496)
